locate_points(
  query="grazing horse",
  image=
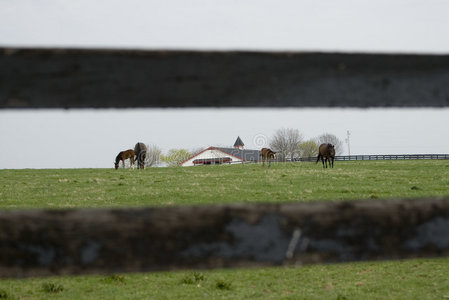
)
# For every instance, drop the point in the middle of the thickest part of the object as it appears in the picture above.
(267, 155)
(124, 155)
(141, 152)
(327, 154)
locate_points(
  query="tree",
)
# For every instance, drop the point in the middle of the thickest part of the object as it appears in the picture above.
(328, 138)
(308, 149)
(286, 143)
(175, 156)
(153, 156)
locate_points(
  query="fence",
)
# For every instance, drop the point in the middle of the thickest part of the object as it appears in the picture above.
(40, 242)
(381, 157)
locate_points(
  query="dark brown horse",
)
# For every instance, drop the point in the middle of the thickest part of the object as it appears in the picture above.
(327, 154)
(141, 153)
(124, 155)
(267, 155)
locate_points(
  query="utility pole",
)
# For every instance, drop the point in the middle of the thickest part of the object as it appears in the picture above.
(347, 141)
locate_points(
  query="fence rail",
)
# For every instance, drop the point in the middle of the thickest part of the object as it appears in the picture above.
(51, 242)
(65, 78)
(381, 157)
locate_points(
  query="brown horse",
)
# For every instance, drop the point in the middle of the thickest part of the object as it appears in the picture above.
(267, 155)
(327, 154)
(141, 152)
(124, 155)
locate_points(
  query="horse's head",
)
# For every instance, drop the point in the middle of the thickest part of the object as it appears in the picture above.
(331, 149)
(116, 165)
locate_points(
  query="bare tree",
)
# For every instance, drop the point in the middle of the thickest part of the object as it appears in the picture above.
(328, 138)
(308, 149)
(286, 143)
(278, 143)
(153, 156)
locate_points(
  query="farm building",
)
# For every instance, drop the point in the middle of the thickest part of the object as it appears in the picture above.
(220, 155)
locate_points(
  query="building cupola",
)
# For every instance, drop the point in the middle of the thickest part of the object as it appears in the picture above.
(238, 144)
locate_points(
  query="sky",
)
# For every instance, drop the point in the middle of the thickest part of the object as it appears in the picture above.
(92, 138)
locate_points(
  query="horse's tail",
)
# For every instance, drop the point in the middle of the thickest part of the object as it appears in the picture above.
(318, 158)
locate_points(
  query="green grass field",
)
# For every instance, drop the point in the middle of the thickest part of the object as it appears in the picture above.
(298, 182)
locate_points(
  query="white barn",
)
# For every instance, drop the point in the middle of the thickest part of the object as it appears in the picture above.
(218, 155)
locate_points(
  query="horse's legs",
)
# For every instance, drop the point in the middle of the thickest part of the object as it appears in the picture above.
(123, 163)
(139, 161)
(332, 162)
(269, 162)
(322, 160)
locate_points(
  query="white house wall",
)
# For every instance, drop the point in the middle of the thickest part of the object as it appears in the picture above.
(209, 154)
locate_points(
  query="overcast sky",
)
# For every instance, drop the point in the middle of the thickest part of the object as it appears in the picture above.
(91, 138)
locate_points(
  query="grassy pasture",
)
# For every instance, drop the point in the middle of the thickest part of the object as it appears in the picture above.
(298, 182)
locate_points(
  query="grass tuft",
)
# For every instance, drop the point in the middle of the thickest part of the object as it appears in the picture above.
(115, 278)
(51, 287)
(223, 284)
(193, 278)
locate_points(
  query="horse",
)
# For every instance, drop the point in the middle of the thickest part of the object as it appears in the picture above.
(327, 154)
(267, 155)
(124, 155)
(141, 152)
